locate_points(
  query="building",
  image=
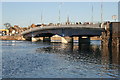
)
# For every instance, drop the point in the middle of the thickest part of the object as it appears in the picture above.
(4, 32)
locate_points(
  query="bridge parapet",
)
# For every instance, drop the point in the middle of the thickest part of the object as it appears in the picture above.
(91, 26)
(77, 25)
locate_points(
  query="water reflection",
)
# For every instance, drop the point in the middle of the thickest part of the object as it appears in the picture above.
(107, 58)
(57, 60)
(107, 55)
(110, 59)
(110, 55)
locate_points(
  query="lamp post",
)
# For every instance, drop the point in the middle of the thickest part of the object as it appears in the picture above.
(59, 15)
(92, 14)
(59, 18)
(42, 17)
(101, 12)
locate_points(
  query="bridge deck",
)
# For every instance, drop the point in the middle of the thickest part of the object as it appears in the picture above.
(82, 26)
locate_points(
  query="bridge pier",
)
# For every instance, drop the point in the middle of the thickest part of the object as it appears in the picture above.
(67, 39)
(33, 39)
(46, 39)
(84, 40)
(57, 38)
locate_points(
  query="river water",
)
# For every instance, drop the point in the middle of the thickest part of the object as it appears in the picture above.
(25, 59)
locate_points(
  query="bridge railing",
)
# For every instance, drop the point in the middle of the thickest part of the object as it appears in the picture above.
(62, 26)
(76, 25)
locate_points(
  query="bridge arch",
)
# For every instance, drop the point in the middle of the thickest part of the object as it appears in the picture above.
(64, 31)
(44, 35)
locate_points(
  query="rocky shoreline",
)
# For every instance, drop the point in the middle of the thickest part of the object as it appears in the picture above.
(21, 38)
(11, 38)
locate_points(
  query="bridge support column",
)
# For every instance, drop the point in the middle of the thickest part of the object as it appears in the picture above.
(83, 40)
(33, 39)
(67, 40)
(57, 38)
(46, 39)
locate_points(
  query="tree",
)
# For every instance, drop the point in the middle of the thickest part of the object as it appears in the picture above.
(33, 26)
(7, 25)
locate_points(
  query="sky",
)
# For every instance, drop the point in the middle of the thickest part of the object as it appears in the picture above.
(26, 13)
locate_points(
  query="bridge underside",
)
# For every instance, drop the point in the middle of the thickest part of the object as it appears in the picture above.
(65, 32)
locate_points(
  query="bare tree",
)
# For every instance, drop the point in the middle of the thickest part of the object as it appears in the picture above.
(7, 25)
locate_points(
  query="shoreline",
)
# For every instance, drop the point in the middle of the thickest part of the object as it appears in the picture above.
(11, 38)
(21, 38)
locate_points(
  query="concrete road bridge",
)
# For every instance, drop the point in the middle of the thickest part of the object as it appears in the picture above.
(76, 30)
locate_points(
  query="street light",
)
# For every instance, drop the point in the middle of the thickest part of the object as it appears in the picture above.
(101, 12)
(59, 18)
(92, 14)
